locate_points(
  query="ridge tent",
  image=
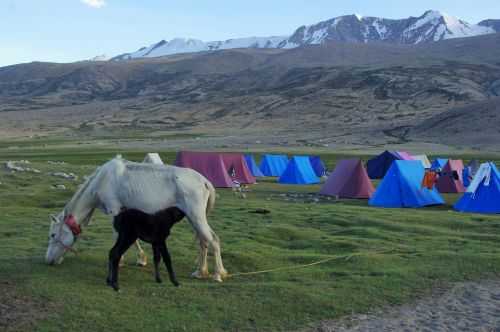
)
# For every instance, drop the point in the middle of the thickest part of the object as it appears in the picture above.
(252, 166)
(378, 166)
(483, 194)
(317, 165)
(299, 171)
(448, 182)
(210, 165)
(153, 158)
(401, 187)
(348, 180)
(439, 163)
(405, 155)
(423, 158)
(237, 167)
(273, 165)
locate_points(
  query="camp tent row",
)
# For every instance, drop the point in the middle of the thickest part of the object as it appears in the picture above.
(401, 186)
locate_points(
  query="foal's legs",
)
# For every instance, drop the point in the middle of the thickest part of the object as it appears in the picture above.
(157, 258)
(168, 263)
(121, 245)
(142, 259)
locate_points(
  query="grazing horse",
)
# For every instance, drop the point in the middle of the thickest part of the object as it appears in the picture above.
(155, 229)
(149, 188)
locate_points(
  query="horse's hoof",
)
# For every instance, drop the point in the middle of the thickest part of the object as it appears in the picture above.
(223, 274)
(158, 280)
(200, 275)
(141, 263)
(176, 283)
(217, 277)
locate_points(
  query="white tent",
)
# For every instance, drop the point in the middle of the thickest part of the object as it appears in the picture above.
(153, 158)
(424, 160)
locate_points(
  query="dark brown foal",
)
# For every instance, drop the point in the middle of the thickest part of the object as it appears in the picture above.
(133, 224)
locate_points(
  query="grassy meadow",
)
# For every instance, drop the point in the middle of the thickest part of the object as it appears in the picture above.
(406, 253)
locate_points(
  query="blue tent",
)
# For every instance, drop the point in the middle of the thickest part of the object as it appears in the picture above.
(299, 171)
(486, 198)
(401, 187)
(318, 165)
(252, 166)
(378, 166)
(273, 165)
(439, 163)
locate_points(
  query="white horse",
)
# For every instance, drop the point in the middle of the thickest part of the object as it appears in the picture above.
(121, 184)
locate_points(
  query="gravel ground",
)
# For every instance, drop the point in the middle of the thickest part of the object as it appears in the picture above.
(467, 306)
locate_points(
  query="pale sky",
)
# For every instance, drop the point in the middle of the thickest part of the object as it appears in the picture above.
(72, 30)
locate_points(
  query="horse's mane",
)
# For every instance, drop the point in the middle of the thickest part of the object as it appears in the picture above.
(81, 189)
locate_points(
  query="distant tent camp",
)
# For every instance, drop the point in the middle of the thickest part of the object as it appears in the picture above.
(483, 194)
(299, 171)
(318, 165)
(405, 155)
(153, 158)
(252, 166)
(401, 187)
(210, 165)
(450, 179)
(237, 167)
(348, 180)
(378, 166)
(439, 163)
(273, 165)
(423, 159)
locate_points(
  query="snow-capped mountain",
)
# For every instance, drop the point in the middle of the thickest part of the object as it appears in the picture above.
(431, 26)
(181, 45)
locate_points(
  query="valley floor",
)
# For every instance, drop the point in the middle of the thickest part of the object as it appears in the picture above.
(407, 254)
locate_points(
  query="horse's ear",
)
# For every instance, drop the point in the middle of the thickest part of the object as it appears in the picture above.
(53, 218)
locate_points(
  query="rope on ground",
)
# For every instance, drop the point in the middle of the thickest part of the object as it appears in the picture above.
(326, 260)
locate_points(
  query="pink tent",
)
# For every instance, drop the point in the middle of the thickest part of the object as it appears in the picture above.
(405, 155)
(210, 165)
(237, 167)
(450, 180)
(349, 180)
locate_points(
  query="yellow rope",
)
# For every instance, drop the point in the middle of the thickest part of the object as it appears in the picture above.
(331, 258)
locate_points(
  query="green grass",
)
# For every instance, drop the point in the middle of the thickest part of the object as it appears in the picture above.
(423, 247)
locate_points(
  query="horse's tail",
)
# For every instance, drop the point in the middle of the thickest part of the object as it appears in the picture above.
(211, 196)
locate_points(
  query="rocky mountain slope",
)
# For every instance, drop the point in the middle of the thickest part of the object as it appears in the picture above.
(429, 27)
(349, 93)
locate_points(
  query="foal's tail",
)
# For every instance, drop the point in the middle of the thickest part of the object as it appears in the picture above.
(211, 196)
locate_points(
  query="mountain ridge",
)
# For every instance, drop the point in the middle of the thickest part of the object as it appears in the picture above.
(430, 27)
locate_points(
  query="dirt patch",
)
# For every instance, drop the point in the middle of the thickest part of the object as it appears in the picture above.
(466, 306)
(19, 312)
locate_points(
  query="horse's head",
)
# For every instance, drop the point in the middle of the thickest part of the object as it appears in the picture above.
(62, 236)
